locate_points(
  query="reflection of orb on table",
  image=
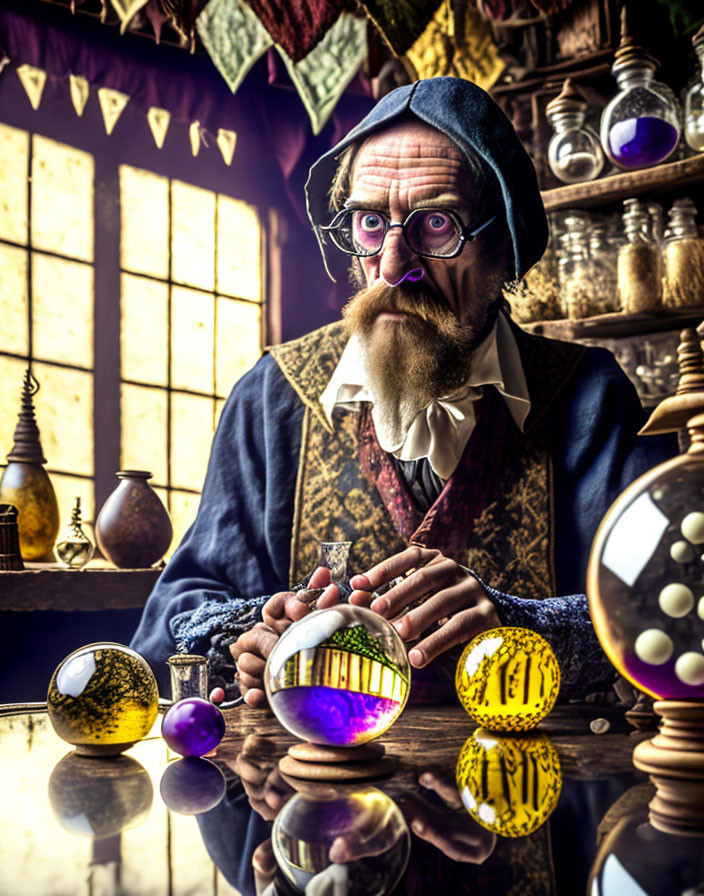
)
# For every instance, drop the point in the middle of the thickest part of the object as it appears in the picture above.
(190, 786)
(193, 726)
(338, 677)
(99, 799)
(509, 785)
(102, 698)
(508, 679)
(372, 827)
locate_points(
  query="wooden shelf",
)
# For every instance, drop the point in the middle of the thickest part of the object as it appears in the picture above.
(76, 589)
(673, 176)
(617, 325)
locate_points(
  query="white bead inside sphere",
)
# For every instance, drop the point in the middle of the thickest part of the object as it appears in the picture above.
(693, 527)
(654, 647)
(682, 552)
(700, 608)
(689, 668)
(676, 600)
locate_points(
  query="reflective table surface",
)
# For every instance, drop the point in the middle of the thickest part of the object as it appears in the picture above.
(561, 811)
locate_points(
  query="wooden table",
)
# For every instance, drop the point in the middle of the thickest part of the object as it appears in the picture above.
(83, 826)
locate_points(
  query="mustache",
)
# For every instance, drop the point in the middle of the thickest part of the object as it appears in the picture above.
(418, 301)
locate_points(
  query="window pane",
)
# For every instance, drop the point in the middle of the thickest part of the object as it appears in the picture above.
(143, 431)
(191, 340)
(62, 199)
(238, 343)
(64, 406)
(62, 310)
(144, 330)
(239, 249)
(14, 172)
(11, 377)
(67, 488)
(144, 211)
(13, 299)
(191, 435)
(183, 511)
(193, 235)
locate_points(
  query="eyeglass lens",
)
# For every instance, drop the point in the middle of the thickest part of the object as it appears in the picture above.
(428, 231)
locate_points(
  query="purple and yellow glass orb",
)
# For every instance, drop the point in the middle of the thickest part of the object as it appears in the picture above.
(193, 727)
(338, 677)
(645, 580)
(103, 698)
(508, 679)
(509, 785)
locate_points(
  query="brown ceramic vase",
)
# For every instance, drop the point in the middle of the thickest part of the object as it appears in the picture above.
(133, 530)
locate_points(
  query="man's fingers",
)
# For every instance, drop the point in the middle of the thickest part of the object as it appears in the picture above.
(458, 629)
(259, 640)
(251, 681)
(329, 597)
(440, 606)
(361, 598)
(320, 578)
(256, 698)
(251, 664)
(445, 789)
(388, 569)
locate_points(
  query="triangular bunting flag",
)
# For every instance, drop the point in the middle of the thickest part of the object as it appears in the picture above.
(227, 141)
(112, 104)
(323, 75)
(234, 38)
(80, 91)
(126, 10)
(33, 80)
(159, 123)
(194, 134)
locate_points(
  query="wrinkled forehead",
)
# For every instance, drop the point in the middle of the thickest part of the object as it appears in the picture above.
(414, 157)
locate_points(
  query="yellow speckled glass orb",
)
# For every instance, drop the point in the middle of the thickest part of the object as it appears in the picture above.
(507, 679)
(103, 698)
(509, 785)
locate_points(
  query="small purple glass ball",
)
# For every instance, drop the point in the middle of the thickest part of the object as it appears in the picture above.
(193, 727)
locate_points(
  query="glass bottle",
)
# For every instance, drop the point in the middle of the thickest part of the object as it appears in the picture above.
(639, 261)
(694, 101)
(574, 151)
(603, 267)
(640, 127)
(683, 281)
(578, 293)
(188, 673)
(73, 547)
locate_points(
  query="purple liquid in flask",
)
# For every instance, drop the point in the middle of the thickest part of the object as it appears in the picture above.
(640, 142)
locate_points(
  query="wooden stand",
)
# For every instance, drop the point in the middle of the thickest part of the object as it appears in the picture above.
(674, 759)
(314, 762)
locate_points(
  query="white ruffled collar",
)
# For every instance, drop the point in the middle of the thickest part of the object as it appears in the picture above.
(442, 429)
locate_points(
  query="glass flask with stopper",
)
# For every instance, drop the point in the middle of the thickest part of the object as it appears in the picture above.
(574, 151)
(640, 127)
(694, 101)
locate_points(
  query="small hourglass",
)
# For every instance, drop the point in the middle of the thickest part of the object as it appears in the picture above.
(334, 555)
(189, 676)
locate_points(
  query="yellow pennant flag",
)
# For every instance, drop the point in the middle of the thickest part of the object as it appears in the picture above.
(80, 91)
(227, 140)
(33, 80)
(159, 123)
(112, 104)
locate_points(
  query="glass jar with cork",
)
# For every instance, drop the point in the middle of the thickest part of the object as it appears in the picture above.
(683, 279)
(639, 261)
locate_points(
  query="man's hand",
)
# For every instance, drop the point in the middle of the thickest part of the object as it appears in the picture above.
(251, 649)
(433, 589)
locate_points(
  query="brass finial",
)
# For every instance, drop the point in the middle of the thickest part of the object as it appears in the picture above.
(674, 412)
(698, 37)
(27, 445)
(570, 99)
(628, 50)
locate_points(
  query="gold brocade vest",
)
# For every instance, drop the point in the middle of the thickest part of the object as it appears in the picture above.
(495, 514)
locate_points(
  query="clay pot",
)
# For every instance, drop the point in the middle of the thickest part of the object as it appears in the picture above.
(133, 530)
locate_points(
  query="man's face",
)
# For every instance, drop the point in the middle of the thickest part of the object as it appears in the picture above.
(411, 166)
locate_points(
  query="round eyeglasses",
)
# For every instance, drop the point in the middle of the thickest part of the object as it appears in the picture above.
(431, 232)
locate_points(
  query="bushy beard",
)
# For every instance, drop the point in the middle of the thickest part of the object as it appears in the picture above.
(413, 361)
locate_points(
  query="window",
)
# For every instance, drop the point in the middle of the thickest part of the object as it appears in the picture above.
(190, 319)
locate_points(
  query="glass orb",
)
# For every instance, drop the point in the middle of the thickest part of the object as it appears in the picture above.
(191, 786)
(99, 799)
(509, 785)
(366, 823)
(508, 679)
(338, 677)
(102, 698)
(645, 581)
(193, 727)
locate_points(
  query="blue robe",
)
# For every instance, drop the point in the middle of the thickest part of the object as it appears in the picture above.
(237, 552)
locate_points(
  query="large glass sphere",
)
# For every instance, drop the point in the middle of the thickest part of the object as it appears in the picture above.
(508, 679)
(365, 825)
(338, 677)
(509, 785)
(103, 698)
(645, 583)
